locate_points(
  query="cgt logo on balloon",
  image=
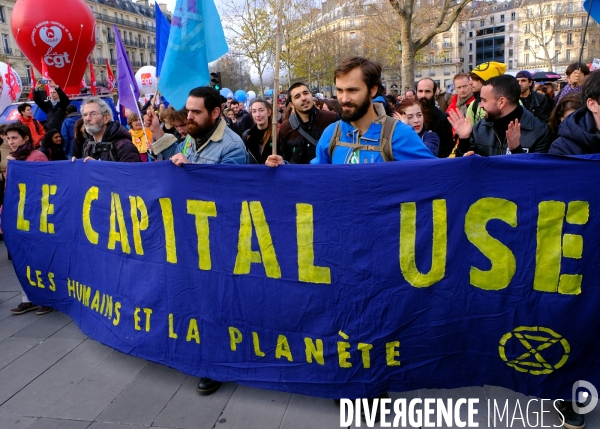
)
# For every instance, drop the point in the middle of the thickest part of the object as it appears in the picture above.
(147, 79)
(51, 33)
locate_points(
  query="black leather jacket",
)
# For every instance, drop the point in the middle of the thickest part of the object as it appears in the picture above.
(540, 106)
(535, 137)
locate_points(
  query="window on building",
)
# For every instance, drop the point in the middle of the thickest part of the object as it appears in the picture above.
(570, 22)
(547, 24)
(142, 57)
(510, 40)
(526, 59)
(513, 16)
(556, 55)
(527, 28)
(472, 24)
(351, 23)
(112, 54)
(569, 38)
(570, 7)
(482, 23)
(510, 53)
(470, 58)
(501, 18)
(470, 47)
(2, 16)
(510, 64)
(526, 43)
(431, 58)
(352, 35)
(568, 55)
(558, 7)
(491, 19)
(27, 75)
(470, 34)
(6, 43)
(529, 13)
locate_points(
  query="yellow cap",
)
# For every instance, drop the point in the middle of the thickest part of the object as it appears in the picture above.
(489, 70)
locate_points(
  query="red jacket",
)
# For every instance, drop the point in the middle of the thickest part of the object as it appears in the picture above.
(453, 103)
(37, 130)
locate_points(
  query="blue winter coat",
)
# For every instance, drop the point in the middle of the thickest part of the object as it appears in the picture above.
(68, 132)
(577, 135)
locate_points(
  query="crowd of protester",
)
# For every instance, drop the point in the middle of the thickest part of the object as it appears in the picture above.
(486, 113)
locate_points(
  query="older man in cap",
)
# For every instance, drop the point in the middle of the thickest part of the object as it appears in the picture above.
(533, 101)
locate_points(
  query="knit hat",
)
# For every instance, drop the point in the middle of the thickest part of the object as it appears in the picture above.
(525, 74)
(489, 70)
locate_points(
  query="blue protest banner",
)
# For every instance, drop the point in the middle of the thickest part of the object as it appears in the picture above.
(334, 281)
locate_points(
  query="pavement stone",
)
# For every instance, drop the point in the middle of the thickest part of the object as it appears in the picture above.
(45, 391)
(45, 325)
(13, 348)
(104, 425)
(188, 410)
(16, 422)
(18, 374)
(145, 397)
(59, 424)
(98, 389)
(70, 331)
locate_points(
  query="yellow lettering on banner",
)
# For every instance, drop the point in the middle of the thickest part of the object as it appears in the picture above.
(408, 240)
(169, 224)
(202, 210)
(253, 214)
(256, 343)
(235, 337)
(102, 303)
(137, 319)
(38, 276)
(90, 195)
(109, 307)
(96, 301)
(117, 318)
(343, 354)
(552, 246)
(366, 355)
(140, 223)
(307, 270)
(116, 216)
(172, 333)
(51, 280)
(31, 282)
(391, 353)
(193, 332)
(148, 313)
(87, 291)
(22, 223)
(314, 351)
(283, 348)
(47, 208)
(503, 260)
(70, 286)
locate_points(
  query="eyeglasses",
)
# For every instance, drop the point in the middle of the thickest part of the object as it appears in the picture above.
(91, 114)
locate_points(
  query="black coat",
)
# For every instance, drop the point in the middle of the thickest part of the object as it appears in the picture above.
(440, 125)
(535, 137)
(577, 135)
(540, 106)
(252, 139)
(121, 148)
(56, 113)
(295, 148)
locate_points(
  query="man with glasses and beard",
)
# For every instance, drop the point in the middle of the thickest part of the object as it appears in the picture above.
(358, 137)
(507, 129)
(212, 141)
(108, 140)
(437, 119)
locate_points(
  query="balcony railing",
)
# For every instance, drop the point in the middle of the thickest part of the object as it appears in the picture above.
(125, 22)
(8, 51)
(113, 61)
(136, 63)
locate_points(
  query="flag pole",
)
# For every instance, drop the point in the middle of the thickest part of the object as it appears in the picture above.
(276, 79)
(139, 113)
(584, 34)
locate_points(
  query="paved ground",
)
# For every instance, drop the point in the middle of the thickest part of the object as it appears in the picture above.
(54, 377)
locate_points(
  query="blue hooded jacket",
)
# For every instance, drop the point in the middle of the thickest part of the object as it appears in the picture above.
(577, 135)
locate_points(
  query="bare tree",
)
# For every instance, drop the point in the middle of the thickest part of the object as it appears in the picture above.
(251, 24)
(539, 27)
(420, 22)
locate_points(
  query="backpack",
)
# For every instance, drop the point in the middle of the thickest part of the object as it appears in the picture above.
(385, 143)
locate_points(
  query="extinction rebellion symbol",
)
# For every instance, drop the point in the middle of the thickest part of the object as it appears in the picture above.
(534, 349)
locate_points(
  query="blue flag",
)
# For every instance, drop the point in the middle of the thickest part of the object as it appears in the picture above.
(162, 37)
(595, 12)
(195, 23)
(129, 92)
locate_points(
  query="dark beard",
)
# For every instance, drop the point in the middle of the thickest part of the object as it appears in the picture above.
(359, 111)
(427, 104)
(197, 130)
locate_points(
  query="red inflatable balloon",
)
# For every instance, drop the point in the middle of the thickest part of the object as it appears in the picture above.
(60, 33)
